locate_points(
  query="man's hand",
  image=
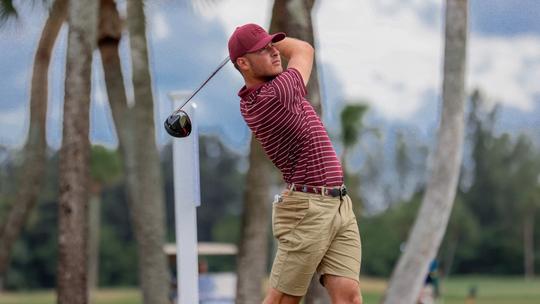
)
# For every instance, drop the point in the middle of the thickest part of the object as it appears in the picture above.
(299, 55)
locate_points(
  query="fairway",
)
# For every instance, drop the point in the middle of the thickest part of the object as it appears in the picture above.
(490, 290)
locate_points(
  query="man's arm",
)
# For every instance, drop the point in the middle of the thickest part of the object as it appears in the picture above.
(299, 55)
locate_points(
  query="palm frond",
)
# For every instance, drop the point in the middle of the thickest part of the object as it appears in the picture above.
(8, 12)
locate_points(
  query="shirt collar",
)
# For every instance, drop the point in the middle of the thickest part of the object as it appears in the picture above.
(245, 92)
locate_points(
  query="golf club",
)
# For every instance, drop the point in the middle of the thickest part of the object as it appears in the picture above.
(178, 123)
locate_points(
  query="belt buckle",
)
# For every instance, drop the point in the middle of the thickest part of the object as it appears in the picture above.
(304, 189)
(334, 192)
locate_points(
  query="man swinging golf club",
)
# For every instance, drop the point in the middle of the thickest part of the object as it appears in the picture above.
(313, 219)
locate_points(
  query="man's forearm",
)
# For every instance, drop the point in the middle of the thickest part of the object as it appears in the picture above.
(290, 47)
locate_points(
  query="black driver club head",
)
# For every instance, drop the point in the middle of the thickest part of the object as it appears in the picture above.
(178, 124)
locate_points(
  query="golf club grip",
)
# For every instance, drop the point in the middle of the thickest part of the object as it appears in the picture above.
(221, 65)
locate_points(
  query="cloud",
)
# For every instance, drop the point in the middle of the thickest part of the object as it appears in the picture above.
(506, 69)
(385, 53)
(233, 13)
(159, 26)
(387, 58)
(14, 126)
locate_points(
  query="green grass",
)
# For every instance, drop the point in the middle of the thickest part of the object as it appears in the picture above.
(103, 296)
(493, 290)
(490, 290)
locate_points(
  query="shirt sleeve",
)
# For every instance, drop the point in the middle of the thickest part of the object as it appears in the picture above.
(289, 88)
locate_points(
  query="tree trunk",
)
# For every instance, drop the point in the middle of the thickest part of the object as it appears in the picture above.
(110, 33)
(33, 168)
(294, 18)
(253, 252)
(94, 210)
(430, 225)
(75, 156)
(147, 206)
(528, 245)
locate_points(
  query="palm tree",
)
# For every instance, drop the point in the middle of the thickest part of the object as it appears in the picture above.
(32, 171)
(105, 170)
(74, 155)
(108, 39)
(430, 225)
(147, 204)
(351, 131)
(253, 256)
(294, 18)
(253, 250)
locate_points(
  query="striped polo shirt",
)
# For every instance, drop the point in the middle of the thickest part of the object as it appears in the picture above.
(290, 132)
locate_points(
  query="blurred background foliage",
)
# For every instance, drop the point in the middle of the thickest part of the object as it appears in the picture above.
(498, 198)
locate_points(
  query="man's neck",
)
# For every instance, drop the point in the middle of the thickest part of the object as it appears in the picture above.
(252, 82)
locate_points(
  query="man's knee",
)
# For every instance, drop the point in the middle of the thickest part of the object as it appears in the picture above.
(357, 299)
(275, 296)
(343, 290)
(352, 297)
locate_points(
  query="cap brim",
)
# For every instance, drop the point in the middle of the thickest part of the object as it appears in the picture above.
(264, 42)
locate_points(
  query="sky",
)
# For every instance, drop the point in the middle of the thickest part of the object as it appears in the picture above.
(386, 53)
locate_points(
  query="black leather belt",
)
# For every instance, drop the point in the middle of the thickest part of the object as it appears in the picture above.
(333, 192)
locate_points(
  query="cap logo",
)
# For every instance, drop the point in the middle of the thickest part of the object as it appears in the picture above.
(256, 31)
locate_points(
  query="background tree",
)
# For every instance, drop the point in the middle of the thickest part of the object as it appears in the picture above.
(430, 225)
(147, 200)
(105, 170)
(33, 155)
(74, 155)
(352, 128)
(294, 18)
(253, 248)
(524, 172)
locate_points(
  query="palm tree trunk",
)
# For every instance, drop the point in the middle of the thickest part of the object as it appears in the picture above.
(110, 33)
(32, 171)
(294, 18)
(147, 206)
(75, 156)
(252, 257)
(253, 251)
(94, 219)
(108, 38)
(528, 245)
(430, 225)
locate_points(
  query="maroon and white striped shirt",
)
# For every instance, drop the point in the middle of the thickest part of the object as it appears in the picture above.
(290, 132)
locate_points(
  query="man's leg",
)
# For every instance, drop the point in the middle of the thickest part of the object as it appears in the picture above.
(342, 290)
(340, 267)
(275, 296)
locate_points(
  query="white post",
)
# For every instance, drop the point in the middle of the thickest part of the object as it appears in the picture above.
(187, 198)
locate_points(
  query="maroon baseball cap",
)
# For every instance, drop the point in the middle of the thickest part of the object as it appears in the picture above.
(250, 38)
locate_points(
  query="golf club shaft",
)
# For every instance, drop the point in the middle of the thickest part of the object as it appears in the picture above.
(221, 65)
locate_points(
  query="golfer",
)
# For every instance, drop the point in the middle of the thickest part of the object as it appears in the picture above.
(312, 219)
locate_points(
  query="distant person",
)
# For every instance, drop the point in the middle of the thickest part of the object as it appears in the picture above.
(313, 219)
(430, 291)
(206, 284)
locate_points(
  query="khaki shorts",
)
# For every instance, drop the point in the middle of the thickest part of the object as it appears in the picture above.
(314, 233)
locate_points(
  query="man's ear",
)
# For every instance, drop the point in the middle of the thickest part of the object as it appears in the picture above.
(242, 63)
